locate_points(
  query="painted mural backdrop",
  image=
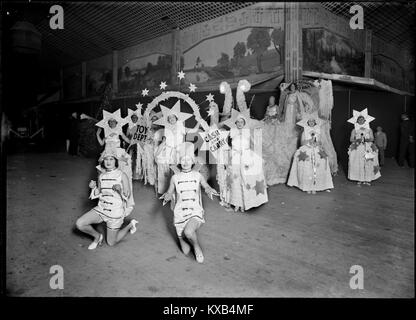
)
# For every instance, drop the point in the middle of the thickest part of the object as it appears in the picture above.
(327, 52)
(98, 74)
(392, 66)
(251, 53)
(144, 72)
(72, 82)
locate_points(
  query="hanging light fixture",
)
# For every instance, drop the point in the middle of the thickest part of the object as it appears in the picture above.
(25, 38)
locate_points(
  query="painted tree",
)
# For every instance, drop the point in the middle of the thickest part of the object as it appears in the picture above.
(127, 72)
(239, 50)
(258, 41)
(223, 62)
(278, 38)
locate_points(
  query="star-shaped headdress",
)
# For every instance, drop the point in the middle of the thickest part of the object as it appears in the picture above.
(235, 115)
(356, 114)
(176, 110)
(131, 112)
(116, 115)
(308, 130)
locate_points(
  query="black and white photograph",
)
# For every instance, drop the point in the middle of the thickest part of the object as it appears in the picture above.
(207, 149)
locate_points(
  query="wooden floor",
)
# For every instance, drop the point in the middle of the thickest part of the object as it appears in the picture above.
(297, 245)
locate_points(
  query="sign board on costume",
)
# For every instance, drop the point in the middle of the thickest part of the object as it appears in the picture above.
(216, 140)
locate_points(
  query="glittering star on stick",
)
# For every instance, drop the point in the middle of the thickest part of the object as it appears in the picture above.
(145, 92)
(192, 87)
(163, 85)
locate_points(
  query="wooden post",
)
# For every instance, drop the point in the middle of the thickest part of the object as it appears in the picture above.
(84, 79)
(368, 54)
(293, 42)
(115, 72)
(176, 55)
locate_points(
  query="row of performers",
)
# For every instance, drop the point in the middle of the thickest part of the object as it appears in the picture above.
(165, 160)
(242, 172)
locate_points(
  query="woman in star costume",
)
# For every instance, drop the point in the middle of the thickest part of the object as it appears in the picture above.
(363, 165)
(154, 136)
(185, 193)
(135, 150)
(112, 124)
(112, 190)
(245, 177)
(310, 171)
(173, 135)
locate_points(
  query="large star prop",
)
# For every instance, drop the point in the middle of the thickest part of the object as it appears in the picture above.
(145, 92)
(181, 75)
(356, 114)
(192, 87)
(116, 115)
(163, 85)
(219, 136)
(260, 187)
(176, 110)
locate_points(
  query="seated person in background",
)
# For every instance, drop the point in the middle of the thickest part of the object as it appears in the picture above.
(273, 112)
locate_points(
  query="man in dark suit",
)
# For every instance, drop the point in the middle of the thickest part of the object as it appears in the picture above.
(407, 130)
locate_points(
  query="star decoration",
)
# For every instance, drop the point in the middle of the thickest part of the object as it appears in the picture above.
(163, 85)
(217, 135)
(211, 112)
(116, 115)
(210, 97)
(322, 154)
(192, 87)
(356, 115)
(145, 92)
(176, 110)
(302, 156)
(260, 187)
(308, 130)
(181, 75)
(354, 146)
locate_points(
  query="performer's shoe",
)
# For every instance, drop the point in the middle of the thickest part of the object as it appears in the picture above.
(199, 257)
(96, 243)
(133, 223)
